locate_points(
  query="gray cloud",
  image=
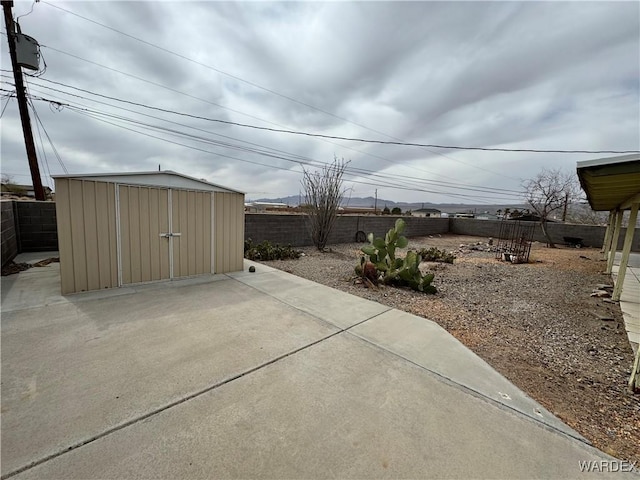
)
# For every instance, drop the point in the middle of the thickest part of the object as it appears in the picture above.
(542, 75)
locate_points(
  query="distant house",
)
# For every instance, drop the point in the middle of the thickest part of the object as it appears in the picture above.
(12, 189)
(487, 216)
(426, 212)
(262, 207)
(359, 210)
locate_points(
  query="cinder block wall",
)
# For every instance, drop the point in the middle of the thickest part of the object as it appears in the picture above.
(9, 234)
(36, 224)
(293, 229)
(592, 235)
(30, 226)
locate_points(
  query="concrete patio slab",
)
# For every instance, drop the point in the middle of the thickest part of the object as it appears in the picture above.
(342, 409)
(71, 371)
(343, 310)
(254, 375)
(428, 345)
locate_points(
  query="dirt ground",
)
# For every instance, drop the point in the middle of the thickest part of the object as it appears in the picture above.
(535, 323)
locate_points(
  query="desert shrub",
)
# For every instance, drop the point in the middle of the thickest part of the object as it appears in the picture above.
(434, 254)
(396, 211)
(268, 251)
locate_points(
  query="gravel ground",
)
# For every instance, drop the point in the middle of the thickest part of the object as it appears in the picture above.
(535, 323)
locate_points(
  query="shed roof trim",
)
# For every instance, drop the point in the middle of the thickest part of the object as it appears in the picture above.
(166, 178)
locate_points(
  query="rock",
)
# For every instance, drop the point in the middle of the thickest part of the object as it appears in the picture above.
(604, 318)
(252, 269)
(600, 293)
(490, 242)
(604, 286)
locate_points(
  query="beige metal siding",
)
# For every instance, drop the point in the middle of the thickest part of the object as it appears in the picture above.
(85, 212)
(229, 232)
(98, 231)
(192, 220)
(144, 215)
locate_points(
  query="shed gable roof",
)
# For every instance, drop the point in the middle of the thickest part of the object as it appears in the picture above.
(165, 178)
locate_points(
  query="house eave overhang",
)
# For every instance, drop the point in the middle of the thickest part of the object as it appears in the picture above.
(611, 183)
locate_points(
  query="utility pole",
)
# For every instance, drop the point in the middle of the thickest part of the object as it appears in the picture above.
(375, 205)
(566, 204)
(22, 102)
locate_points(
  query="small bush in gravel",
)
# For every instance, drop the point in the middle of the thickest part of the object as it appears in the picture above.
(434, 254)
(268, 251)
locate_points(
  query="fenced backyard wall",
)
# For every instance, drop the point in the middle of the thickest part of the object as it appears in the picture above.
(293, 230)
(30, 226)
(38, 231)
(591, 235)
(9, 234)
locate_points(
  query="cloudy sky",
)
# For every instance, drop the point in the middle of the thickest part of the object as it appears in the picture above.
(543, 75)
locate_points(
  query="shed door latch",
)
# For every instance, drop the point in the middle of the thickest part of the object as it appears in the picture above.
(169, 234)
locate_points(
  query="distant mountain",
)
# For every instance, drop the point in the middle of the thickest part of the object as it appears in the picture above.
(294, 200)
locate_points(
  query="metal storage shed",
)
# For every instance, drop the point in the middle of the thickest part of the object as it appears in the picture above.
(127, 228)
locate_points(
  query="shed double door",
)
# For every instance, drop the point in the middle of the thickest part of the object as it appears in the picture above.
(163, 233)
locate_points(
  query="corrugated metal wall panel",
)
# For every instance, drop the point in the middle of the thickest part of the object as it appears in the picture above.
(229, 232)
(239, 215)
(219, 233)
(86, 235)
(192, 219)
(180, 225)
(65, 245)
(144, 214)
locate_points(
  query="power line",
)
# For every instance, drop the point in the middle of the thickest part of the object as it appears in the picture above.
(297, 159)
(393, 186)
(388, 185)
(334, 137)
(298, 162)
(495, 194)
(81, 112)
(53, 147)
(397, 141)
(230, 109)
(43, 159)
(9, 96)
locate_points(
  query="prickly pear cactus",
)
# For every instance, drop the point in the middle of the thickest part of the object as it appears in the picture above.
(380, 255)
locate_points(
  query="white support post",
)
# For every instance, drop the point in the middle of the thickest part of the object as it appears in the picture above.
(634, 380)
(628, 240)
(614, 241)
(607, 235)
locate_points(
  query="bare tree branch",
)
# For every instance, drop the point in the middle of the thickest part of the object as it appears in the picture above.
(549, 191)
(323, 195)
